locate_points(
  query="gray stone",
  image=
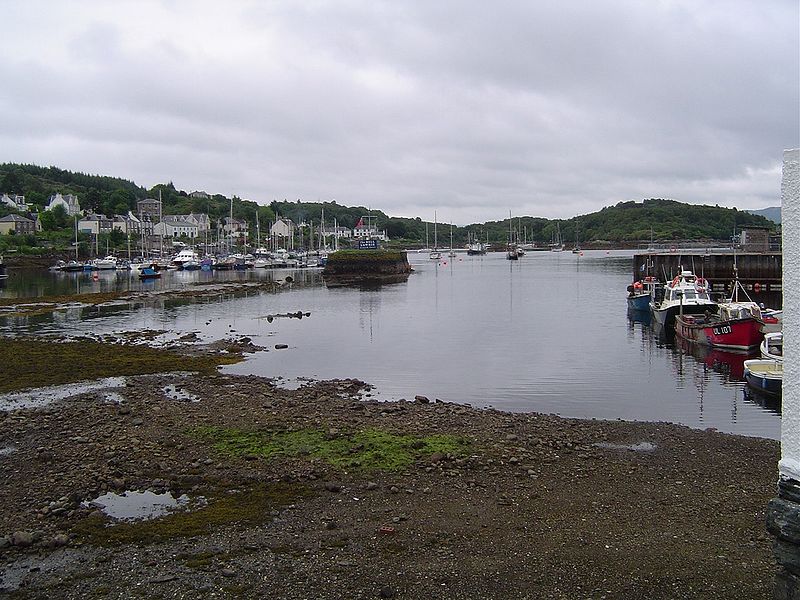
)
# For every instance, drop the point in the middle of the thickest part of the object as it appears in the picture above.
(21, 538)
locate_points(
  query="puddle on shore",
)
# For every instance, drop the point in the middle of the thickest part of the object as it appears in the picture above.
(138, 506)
(176, 392)
(114, 397)
(291, 383)
(7, 450)
(639, 447)
(39, 397)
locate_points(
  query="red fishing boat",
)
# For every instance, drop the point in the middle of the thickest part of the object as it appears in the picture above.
(736, 326)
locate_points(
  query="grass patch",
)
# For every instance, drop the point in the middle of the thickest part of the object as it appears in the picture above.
(250, 507)
(367, 255)
(368, 450)
(31, 363)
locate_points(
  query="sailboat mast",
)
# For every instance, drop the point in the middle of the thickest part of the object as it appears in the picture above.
(435, 238)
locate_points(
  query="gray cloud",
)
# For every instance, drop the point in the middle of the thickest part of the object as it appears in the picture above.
(470, 109)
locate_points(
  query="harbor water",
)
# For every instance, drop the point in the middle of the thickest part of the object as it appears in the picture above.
(547, 333)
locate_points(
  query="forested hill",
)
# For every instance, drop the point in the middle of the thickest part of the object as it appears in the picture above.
(664, 220)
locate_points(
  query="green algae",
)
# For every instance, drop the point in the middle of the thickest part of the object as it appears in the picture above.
(367, 450)
(29, 363)
(249, 507)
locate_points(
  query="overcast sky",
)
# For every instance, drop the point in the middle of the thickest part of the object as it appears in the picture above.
(471, 109)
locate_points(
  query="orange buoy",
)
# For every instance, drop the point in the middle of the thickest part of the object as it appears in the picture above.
(756, 287)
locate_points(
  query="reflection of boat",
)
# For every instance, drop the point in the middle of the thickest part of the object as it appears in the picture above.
(770, 402)
(685, 293)
(764, 375)
(772, 346)
(730, 363)
(639, 316)
(737, 326)
(73, 266)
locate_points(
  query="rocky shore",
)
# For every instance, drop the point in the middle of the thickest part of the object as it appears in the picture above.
(321, 492)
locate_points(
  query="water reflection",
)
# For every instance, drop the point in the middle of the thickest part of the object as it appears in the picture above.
(547, 333)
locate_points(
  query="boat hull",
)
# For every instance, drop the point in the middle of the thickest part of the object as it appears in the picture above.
(639, 302)
(740, 334)
(766, 376)
(666, 316)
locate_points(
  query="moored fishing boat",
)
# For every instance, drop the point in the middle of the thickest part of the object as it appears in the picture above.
(640, 293)
(737, 326)
(686, 293)
(764, 375)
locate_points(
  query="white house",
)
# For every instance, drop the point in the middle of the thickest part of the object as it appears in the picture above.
(366, 230)
(282, 227)
(175, 228)
(200, 219)
(69, 202)
(14, 201)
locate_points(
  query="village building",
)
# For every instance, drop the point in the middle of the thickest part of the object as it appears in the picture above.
(235, 229)
(202, 220)
(149, 209)
(68, 201)
(754, 238)
(95, 224)
(17, 224)
(282, 228)
(366, 230)
(173, 227)
(14, 202)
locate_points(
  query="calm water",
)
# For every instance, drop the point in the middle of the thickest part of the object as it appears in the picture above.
(548, 333)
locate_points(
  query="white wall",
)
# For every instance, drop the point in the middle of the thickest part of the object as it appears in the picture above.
(789, 465)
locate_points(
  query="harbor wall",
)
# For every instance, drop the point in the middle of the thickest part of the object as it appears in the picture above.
(757, 271)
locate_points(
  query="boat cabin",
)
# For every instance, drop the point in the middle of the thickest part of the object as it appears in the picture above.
(739, 310)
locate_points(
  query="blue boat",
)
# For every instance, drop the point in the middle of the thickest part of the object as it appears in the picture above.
(149, 273)
(640, 293)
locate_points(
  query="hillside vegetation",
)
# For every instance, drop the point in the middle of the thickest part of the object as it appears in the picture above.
(625, 222)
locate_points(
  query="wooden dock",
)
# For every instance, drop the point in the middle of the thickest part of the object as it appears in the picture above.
(757, 271)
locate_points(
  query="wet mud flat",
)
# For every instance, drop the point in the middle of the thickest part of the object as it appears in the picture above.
(322, 492)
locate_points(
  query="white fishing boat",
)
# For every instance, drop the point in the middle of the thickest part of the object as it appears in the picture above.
(686, 293)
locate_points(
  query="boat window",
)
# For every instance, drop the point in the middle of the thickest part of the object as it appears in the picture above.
(689, 295)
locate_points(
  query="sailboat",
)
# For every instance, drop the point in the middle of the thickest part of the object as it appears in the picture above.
(577, 248)
(558, 245)
(452, 252)
(435, 254)
(512, 252)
